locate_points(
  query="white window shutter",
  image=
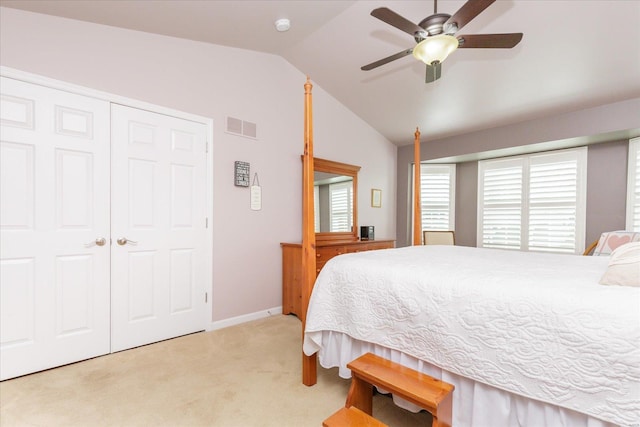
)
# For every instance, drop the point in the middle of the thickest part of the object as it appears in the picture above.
(341, 206)
(555, 189)
(535, 202)
(437, 196)
(501, 203)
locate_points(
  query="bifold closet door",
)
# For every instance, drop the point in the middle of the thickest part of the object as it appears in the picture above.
(158, 227)
(54, 226)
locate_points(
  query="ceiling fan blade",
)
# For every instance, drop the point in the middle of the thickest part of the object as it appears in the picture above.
(467, 12)
(390, 17)
(489, 40)
(433, 72)
(386, 60)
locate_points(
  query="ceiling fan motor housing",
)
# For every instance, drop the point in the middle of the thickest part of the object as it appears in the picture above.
(433, 25)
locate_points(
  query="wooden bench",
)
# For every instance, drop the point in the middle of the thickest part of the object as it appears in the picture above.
(420, 389)
(351, 417)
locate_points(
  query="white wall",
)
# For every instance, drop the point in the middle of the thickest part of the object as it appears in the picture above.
(216, 81)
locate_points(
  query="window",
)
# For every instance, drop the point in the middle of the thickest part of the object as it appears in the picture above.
(437, 196)
(535, 202)
(340, 206)
(633, 186)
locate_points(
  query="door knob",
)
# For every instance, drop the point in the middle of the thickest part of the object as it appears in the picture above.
(100, 241)
(123, 241)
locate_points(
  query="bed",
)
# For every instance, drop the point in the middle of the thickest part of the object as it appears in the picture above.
(526, 338)
(473, 313)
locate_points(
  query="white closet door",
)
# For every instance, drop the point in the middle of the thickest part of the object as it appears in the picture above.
(54, 191)
(158, 223)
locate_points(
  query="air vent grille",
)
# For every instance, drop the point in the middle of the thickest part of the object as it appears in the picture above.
(242, 128)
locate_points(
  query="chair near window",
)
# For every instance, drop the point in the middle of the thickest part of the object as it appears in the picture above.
(610, 240)
(438, 237)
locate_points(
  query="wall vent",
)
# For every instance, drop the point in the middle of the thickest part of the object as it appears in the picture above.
(242, 128)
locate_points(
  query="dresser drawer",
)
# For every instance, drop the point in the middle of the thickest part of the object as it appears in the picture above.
(325, 253)
(372, 245)
(353, 249)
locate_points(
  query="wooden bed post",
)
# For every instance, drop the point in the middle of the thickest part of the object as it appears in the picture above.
(309, 365)
(417, 213)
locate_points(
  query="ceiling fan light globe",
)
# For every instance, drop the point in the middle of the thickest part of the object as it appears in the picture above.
(435, 49)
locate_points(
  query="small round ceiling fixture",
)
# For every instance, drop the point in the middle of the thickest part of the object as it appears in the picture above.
(283, 25)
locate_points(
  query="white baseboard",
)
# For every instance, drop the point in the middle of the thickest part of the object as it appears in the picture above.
(219, 324)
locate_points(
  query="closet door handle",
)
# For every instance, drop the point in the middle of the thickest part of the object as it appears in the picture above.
(123, 241)
(100, 241)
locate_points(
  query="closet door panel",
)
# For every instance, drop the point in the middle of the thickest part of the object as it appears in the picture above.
(158, 223)
(54, 194)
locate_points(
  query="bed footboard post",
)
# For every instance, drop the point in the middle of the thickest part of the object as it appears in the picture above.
(417, 215)
(309, 367)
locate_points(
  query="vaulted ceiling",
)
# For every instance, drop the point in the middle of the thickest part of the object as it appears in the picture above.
(575, 54)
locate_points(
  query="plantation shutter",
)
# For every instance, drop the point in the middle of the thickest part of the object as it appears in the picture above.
(501, 204)
(535, 202)
(553, 203)
(633, 186)
(437, 185)
(341, 206)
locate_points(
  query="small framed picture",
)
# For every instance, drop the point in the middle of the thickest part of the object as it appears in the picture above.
(376, 198)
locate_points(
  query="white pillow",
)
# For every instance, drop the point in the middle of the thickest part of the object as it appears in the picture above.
(624, 266)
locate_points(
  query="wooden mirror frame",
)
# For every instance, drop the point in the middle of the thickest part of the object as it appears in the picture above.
(329, 166)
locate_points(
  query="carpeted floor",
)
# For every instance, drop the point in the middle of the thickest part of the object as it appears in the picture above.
(242, 376)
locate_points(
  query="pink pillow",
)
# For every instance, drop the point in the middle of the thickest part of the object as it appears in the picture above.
(613, 239)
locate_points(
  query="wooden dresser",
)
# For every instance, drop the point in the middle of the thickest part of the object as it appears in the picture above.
(292, 265)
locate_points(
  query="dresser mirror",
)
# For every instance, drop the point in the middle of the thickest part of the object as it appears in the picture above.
(335, 200)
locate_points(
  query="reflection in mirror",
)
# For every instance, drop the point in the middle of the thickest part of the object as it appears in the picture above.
(333, 201)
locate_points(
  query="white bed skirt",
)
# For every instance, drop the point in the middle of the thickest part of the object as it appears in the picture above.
(474, 404)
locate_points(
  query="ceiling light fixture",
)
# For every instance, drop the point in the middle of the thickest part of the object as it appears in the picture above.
(435, 49)
(283, 25)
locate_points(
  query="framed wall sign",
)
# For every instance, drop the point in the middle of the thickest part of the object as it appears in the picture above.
(376, 198)
(241, 170)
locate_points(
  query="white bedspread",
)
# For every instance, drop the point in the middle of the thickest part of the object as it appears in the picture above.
(538, 325)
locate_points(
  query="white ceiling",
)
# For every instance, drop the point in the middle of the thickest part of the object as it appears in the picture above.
(575, 54)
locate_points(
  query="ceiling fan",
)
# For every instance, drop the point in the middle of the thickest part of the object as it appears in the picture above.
(436, 39)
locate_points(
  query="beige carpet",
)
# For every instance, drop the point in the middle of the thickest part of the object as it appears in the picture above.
(246, 375)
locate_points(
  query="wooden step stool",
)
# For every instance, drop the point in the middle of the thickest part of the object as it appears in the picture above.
(351, 417)
(420, 389)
